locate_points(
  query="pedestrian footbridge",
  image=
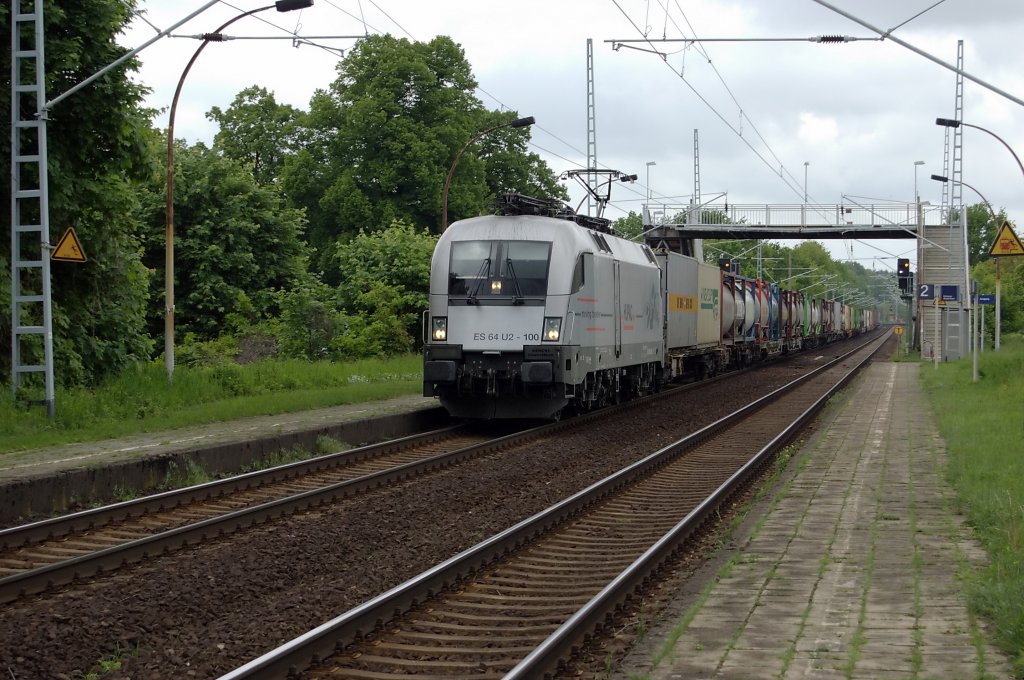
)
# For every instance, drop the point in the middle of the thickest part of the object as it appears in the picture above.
(791, 221)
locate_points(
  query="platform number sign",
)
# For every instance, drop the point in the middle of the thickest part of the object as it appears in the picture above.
(926, 291)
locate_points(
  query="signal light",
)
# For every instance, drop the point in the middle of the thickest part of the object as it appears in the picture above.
(903, 267)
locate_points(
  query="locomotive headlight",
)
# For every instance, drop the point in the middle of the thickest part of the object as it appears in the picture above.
(439, 328)
(552, 328)
(496, 287)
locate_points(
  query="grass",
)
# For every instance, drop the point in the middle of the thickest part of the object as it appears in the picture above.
(141, 400)
(107, 666)
(982, 424)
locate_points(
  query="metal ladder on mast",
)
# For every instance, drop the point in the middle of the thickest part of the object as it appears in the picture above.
(31, 309)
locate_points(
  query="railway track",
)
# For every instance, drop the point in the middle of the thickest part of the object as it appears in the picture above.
(42, 555)
(36, 556)
(520, 604)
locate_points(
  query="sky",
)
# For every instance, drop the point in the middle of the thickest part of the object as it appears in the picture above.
(776, 115)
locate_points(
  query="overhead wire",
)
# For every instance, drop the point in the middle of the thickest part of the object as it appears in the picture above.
(293, 34)
(707, 103)
(502, 106)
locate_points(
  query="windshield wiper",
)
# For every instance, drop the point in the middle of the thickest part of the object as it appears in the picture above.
(517, 299)
(485, 268)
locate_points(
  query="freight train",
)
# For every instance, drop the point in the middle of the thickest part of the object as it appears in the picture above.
(537, 311)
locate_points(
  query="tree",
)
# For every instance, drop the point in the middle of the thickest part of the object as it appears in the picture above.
(97, 153)
(508, 165)
(386, 274)
(377, 145)
(629, 227)
(982, 229)
(256, 131)
(236, 244)
(378, 142)
(1011, 277)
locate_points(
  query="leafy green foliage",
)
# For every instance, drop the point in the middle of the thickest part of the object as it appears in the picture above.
(377, 146)
(97, 150)
(629, 227)
(1011, 276)
(236, 242)
(311, 320)
(378, 142)
(386, 276)
(509, 166)
(256, 131)
(982, 228)
(140, 399)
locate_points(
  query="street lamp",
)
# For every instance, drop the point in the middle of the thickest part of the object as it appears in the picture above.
(916, 197)
(517, 123)
(940, 178)
(216, 36)
(947, 122)
(648, 181)
(806, 163)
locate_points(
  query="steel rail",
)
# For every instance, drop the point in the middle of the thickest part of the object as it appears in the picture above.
(56, 527)
(47, 576)
(563, 643)
(324, 640)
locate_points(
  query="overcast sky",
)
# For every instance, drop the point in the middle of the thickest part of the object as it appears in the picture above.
(858, 114)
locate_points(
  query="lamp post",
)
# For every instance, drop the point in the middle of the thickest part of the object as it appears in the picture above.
(917, 198)
(216, 36)
(947, 122)
(517, 123)
(803, 207)
(648, 182)
(919, 227)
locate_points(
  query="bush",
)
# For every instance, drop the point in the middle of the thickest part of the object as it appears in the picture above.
(193, 352)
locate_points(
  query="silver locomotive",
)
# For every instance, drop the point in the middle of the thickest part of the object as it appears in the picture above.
(543, 311)
(530, 314)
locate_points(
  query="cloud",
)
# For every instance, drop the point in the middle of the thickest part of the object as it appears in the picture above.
(860, 113)
(815, 129)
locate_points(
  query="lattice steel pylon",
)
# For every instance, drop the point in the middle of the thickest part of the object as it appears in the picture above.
(591, 126)
(945, 173)
(696, 169)
(956, 188)
(31, 310)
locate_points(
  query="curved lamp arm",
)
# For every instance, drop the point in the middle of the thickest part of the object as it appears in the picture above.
(517, 123)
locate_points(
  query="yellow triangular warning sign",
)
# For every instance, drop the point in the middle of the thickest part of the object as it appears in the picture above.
(68, 249)
(1006, 242)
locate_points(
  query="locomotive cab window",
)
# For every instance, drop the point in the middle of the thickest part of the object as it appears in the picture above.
(499, 269)
(579, 275)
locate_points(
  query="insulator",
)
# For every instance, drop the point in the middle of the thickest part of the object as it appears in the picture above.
(832, 38)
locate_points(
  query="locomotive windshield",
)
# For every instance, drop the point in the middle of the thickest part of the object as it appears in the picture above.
(499, 269)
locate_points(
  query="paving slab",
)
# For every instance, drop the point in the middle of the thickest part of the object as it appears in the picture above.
(851, 571)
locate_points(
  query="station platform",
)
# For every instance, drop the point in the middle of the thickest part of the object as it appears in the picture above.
(847, 569)
(57, 479)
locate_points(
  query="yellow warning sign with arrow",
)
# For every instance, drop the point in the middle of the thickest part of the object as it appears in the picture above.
(1006, 242)
(69, 248)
